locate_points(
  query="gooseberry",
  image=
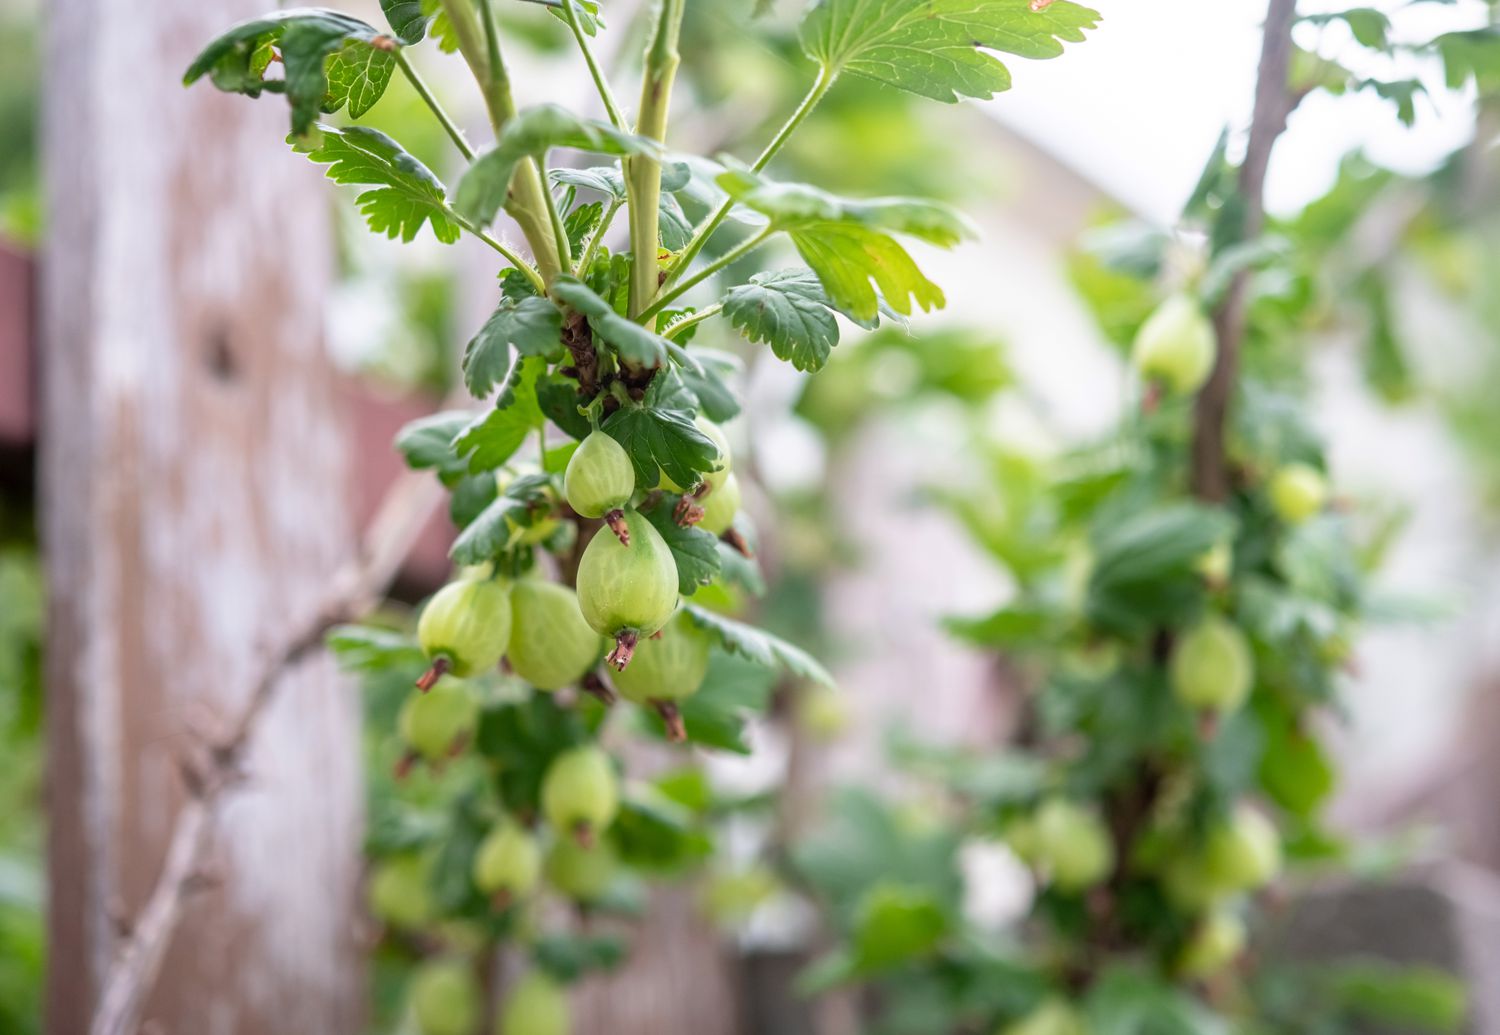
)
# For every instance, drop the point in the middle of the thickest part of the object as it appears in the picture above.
(398, 892)
(1072, 845)
(445, 998)
(1211, 666)
(582, 874)
(551, 645)
(580, 792)
(600, 477)
(464, 628)
(627, 592)
(1176, 345)
(433, 723)
(667, 668)
(1242, 853)
(720, 506)
(1052, 1017)
(535, 1005)
(1298, 492)
(1216, 942)
(508, 862)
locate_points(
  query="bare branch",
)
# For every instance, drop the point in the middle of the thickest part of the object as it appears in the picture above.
(137, 963)
(1274, 102)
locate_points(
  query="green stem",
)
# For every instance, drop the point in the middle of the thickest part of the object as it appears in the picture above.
(705, 229)
(479, 43)
(730, 257)
(559, 231)
(428, 98)
(513, 257)
(643, 172)
(601, 82)
(696, 318)
(589, 250)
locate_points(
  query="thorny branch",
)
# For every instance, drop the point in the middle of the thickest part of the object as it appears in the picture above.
(137, 961)
(1274, 102)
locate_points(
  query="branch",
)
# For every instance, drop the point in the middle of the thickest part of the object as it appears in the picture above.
(1274, 101)
(137, 962)
(643, 172)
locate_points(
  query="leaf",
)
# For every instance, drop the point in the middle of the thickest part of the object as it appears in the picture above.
(514, 509)
(567, 957)
(558, 398)
(1143, 564)
(1370, 28)
(407, 193)
(581, 222)
(662, 440)
(359, 75)
(633, 343)
(695, 551)
(790, 205)
(895, 923)
(308, 38)
(531, 134)
(847, 258)
(705, 379)
(655, 834)
(733, 689)
(1401, 997)
(369, 648)
(427, 442)
(939, 48)
(788, 310)
(493, 438)
(759, 646)
(407, 18)
(532, 326)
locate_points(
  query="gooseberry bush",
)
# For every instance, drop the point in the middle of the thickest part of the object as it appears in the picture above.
(602, 550)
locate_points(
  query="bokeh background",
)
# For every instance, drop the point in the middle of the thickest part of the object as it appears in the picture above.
(876, 472)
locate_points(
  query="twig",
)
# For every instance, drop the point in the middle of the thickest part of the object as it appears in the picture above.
(356, 589)
(1274, 101)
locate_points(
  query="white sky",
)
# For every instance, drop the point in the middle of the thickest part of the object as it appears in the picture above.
(1138, 107)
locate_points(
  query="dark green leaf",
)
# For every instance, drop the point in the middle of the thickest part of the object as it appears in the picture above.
(519, 506)
(581, 222)
(493, 437)
(655, 834)
(568, 957)
(790, 311)
(895, 923)
(427, 442)
(407, 19)
(695, 551)
(632, 342)
(662, 440)
(407, 194)
(531, 134)
(759, 646)
(558, 397)
(939, 48)
(1143, 568)
(532, 326)
(707, 383)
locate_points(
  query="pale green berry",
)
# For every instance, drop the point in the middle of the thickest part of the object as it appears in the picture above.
(600, 477)
(467, 623)
(1073, 845)
(720, 506)
(1176, 345)
(627, 592)
(433, 723)
(1242, 853)
(1216, 942)
(1211, 666)
(508, 862)
(1298, 492)
(668, 666)
(580, 792)
(551, 646)
(446, 998)
(582, 874)
(535, 1005)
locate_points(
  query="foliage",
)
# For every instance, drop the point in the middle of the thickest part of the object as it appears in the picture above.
(586, 337)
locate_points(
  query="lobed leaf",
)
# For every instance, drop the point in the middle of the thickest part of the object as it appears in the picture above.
(359, 75)
(790, 205)
(407, 18)
(759, 646)
(695, 551)
(788, 310)
(863, 269)
(660, 440)
(406, 193)
(939, 48)
(633, 343)
(489, 533)
(427, 442)
(532, 326)
(493, 438)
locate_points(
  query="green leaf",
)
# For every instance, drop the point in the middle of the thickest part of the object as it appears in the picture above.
(493, 438)
(407, 18)
(633, 343)
(759, 646)
(407, 194)
(733, 689)
(1401, 998)
(427, 442)
(706, 380)
(1143, 564)
(847, 258)
(307, 38)
(482, 191)
(788, 310)
(567, 957)
(369, 648)
(938, 48)
(790, 205)
(516, 508)
(559, 397)
(1370, 28)
(655, 834)
(358, 74)
(695, 551)
(662, 440)
(895, 923)
(531, 325)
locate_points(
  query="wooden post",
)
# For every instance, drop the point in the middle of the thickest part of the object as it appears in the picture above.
(195, 502)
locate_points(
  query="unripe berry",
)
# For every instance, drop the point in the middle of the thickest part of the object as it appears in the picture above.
(582, 874)
(822, 713)
(580, 793)
(445, 999)
(1216, 564)
(600, 477)
(398, 892)
(434, 723)
(1052, 1017)
(468, 623)
(528, 535)
(1211, 666)
(668, 666)
(1298, 492)
(714, 477)
(1176, 345)
(1243, 853)
(720, 506)
(551, 645)
(627, 592)
(535, 1005)
(508, 862)
(1216, 942)
(1072, 845)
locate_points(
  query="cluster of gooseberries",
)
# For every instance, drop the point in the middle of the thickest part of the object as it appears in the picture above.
(623, 612)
